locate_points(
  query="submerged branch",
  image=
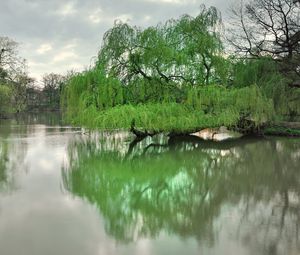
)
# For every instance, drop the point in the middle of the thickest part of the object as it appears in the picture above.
(140, 133)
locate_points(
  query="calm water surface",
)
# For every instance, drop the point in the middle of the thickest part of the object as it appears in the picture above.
(65, 191)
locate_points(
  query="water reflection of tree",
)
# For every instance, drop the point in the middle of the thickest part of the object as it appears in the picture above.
(12, 151)
(3, 161)
(45, 118)
(6, 176)
(181, 187)
(273, 179)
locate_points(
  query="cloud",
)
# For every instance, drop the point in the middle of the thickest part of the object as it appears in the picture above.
(44, 48)
(64, 55)
(95, 17)
(124, 17)
(67, 9)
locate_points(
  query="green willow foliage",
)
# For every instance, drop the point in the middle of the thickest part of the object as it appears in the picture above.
(212, 106)
(91, 88)
(164, 79)
(264, 72)
(184, 50)
(5, 100)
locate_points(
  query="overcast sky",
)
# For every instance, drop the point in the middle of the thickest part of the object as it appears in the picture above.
(59, 35)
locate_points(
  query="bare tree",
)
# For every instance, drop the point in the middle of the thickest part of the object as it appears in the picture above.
(11, 64)
(267, 27)
(52, 85)
(13, 73)
(19, 91)
(52, 81)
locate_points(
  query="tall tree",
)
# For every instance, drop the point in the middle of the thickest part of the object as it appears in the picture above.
(13, 75)
(22, 83)
(11, 64)
(269, 28)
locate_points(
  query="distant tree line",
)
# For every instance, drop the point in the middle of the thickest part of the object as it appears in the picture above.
(18, 91)
(47, 97)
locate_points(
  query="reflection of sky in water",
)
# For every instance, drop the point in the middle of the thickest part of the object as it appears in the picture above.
(38, 216)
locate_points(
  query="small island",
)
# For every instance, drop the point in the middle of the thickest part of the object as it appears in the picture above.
(178, 78)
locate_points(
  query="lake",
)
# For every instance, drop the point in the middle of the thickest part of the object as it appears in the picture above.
(65, 190)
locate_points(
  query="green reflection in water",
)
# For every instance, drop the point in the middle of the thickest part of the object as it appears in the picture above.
(6, 176)
(185, 187)
(3, 161)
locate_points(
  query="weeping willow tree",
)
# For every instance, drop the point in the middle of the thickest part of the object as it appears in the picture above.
(172, 77)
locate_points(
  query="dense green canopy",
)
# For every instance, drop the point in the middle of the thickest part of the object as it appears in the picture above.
(185, 50)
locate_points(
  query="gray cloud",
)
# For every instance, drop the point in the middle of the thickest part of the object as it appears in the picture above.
(59, 35)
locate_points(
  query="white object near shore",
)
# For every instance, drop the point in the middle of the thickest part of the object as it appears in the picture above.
(217, 134)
